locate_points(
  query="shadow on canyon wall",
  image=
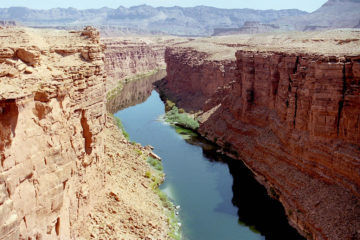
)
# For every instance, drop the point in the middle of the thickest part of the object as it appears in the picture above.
(256, 209)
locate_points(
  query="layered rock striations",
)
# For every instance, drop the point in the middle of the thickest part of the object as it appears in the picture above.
(186, 69)
(126, 57)
(52, 116)
(61, 158)
(292, 115)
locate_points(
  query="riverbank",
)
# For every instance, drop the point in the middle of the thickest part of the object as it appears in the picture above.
(218, 196)
(132, 92)
(287, 105)
(127, 206)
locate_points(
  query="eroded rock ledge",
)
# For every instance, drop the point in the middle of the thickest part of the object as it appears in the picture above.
(292, 115)
(66, 172)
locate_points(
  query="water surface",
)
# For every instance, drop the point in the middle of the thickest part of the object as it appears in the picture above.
(219, 197)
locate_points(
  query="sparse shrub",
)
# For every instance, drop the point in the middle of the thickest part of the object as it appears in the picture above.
(121, 127)
(169, 105)
(155, 163)
(138, 152)
(181, 119)
(147, 174)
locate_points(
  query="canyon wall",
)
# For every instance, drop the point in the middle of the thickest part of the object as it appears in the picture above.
(66, 170)
(126, 57)
(52, 115)
(292, 117)
(186, 71)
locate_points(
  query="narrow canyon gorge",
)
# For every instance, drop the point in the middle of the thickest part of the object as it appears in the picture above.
(289, 107)
(286, 105)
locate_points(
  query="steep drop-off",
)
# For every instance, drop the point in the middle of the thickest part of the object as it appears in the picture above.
(125, 57)
(291, 114)
(52, 116)
(66, 172)
(129, 56)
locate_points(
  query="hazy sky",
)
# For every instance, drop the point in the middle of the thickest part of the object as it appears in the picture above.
(306, 5)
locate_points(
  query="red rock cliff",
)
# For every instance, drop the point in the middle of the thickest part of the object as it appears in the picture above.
(126, 57)
(66, 171)
(292, 117)
(187, 70)
(52, 113)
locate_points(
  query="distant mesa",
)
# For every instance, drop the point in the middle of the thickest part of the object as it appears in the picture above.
(358, 25)
(192, 21)
(332, 14)
(5, 23)
(250, 27)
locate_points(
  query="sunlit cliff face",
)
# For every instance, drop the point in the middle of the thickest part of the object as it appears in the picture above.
(287, 113)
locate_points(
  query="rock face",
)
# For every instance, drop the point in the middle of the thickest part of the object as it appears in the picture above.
(186, 70)
(61, 157)
(293, 118)
(50, 132)
(126, 57)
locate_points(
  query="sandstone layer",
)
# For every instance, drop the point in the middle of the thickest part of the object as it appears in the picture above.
(65, 171)
(289, 107)
(127, 56)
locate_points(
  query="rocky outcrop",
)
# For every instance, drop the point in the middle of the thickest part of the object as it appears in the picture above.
(61, 157)
(249, 27)
(51, 119)
(293, 118)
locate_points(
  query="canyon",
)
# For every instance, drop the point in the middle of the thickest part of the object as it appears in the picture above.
(66, 170)
(124, 57)
(288, 106)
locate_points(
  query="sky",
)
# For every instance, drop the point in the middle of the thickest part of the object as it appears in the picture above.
(305, 5)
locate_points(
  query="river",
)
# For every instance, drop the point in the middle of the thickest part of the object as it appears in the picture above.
(219, 197)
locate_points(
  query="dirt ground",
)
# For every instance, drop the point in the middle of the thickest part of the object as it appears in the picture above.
(127, 207)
